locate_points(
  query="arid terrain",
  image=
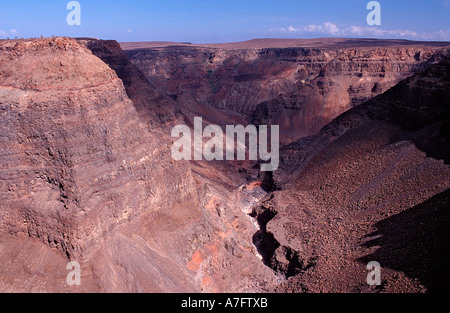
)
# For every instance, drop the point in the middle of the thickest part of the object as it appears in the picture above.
(87, 174)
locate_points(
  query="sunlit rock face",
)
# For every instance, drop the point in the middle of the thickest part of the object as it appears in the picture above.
(87, 175)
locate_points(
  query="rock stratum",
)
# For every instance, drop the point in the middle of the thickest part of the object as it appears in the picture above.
(86, 172)
(87, 175)
(300, 85)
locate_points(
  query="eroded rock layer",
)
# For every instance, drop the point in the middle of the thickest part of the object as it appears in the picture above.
(301, 86)
(87, 175)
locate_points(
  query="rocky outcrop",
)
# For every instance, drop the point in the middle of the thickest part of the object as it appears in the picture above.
(299, 88)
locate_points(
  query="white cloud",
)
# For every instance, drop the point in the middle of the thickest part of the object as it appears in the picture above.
(331, 29)
(11, 33)
(312, 28)
(129, 30)
(357, 30)
(326, 28)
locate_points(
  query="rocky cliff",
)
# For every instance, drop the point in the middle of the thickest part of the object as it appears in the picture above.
(300, 87)
(87, 176)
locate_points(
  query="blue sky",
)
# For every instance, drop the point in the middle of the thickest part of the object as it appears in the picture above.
(208, 21)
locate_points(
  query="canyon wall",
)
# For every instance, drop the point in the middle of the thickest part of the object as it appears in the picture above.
(300, 89)
(87, 175)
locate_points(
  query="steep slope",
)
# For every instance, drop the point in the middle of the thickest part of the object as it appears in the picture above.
(300, 85)
(372, 185)
(87, 175)
(69, 149)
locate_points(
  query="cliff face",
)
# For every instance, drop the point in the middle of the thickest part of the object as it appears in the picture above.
(71, 151)
(87, 175)
(300, 89)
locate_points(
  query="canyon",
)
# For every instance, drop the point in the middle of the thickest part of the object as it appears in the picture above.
(87, 173)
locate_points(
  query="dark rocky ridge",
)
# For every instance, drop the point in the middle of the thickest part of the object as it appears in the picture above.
(373, 186)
